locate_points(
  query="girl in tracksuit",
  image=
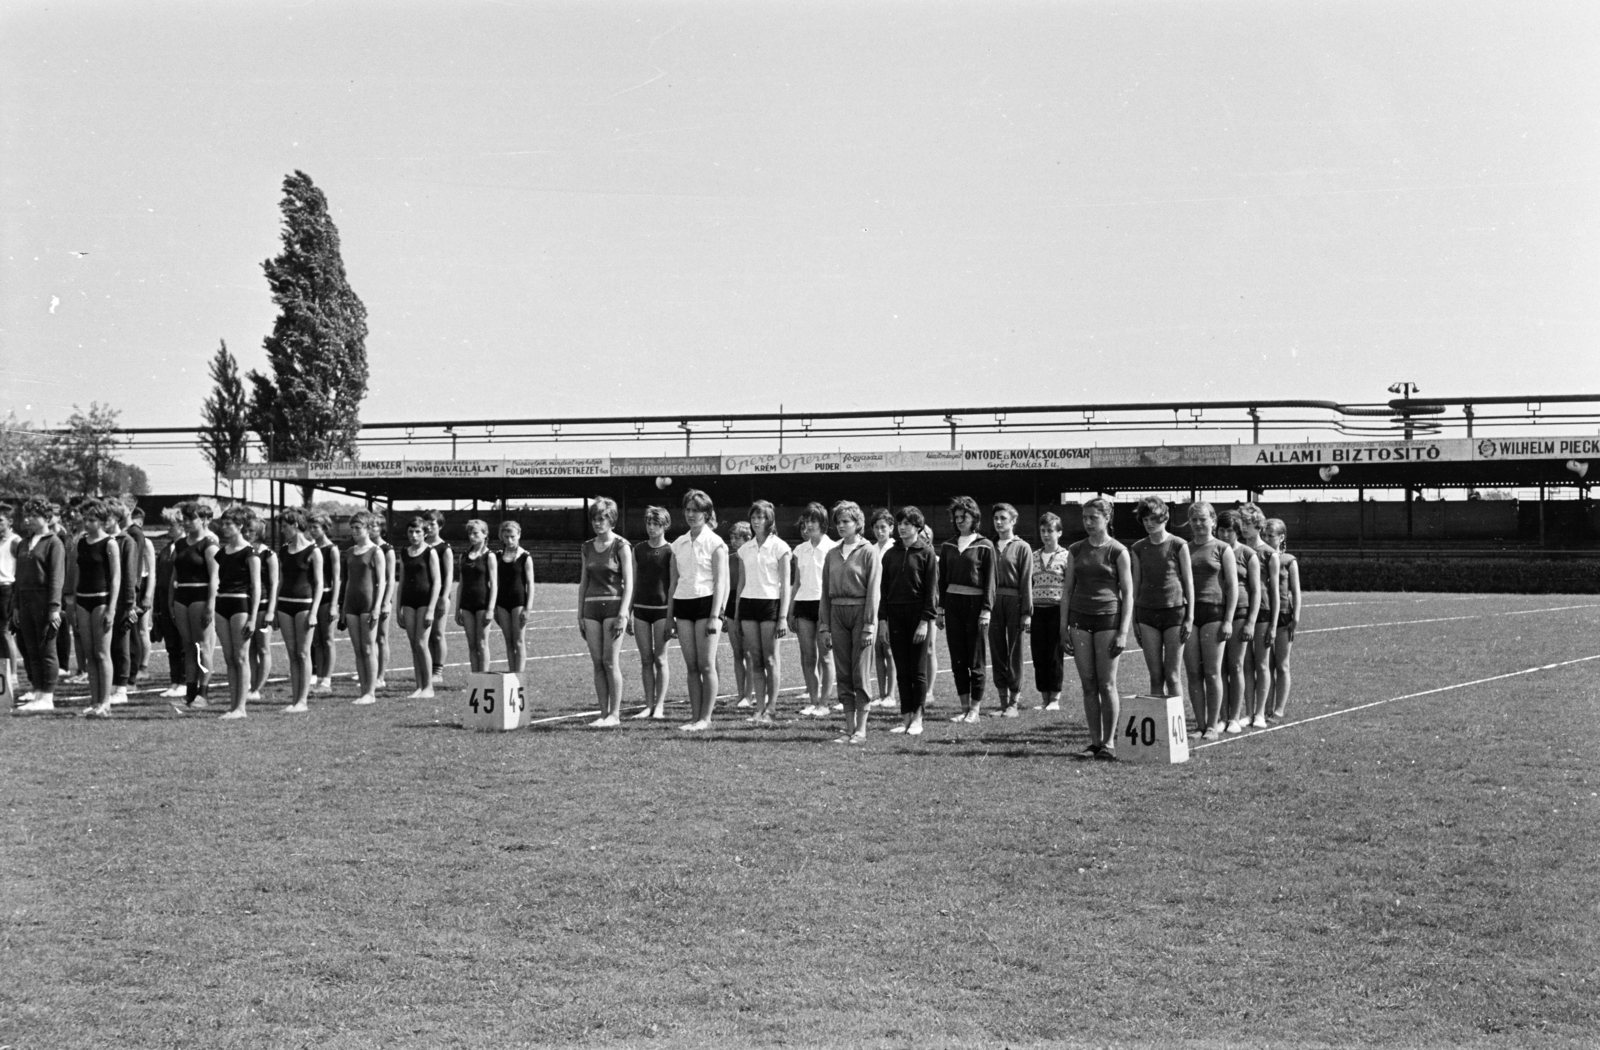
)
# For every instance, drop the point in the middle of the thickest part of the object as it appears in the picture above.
(966, 599)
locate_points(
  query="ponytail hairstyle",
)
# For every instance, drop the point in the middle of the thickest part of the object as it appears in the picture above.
(1101, 506)
(694, 499)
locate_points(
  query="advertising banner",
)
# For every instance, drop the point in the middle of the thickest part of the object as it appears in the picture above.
(1536, 448)
(1025, 458)
(594, 467)
(1160, 456)
(1345, 453)
(454, 468)
(664, 466)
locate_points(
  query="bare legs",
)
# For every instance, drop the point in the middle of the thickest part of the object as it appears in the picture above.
(1202, 658)
(604, 653)
(1097, 670)
(513, 624)
(416, 628)
(296, 630)
(94, 627)
(198, 642)
(652, 638)
(361, 628)
(761, 642)
(815, 666)
(236, 658)
(476, 624)
(699, 650)
(1163, 657)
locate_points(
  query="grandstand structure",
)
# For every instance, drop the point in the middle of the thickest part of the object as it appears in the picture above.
(1038, 457)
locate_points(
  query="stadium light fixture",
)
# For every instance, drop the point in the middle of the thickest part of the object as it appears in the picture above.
(1405, 390)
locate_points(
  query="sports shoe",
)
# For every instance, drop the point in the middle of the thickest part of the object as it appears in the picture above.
(81, 678)
(1258, 722)
(174, 692)
(25, 697)
(1233, 726)
(38, 703)
(915, 730)
(1211, 734)
(119, 696)
(897, 729)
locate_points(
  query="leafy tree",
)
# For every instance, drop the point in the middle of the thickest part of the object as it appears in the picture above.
(77, 460)
(226, 413)
(309, 407)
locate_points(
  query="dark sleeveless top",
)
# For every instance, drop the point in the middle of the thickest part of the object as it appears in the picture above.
(1205, 562)
(189, 560)
(94, 574)
(294, 573)
(416, 578)
(474, 576)
(233, 570)
(652, 571)
(1160, 585)
(513, 585)
(1094, 578)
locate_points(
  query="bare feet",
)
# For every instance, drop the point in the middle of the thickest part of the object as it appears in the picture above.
(605, 723)
(296, 709)
(231, 715)
(365, 699)
(421, 694)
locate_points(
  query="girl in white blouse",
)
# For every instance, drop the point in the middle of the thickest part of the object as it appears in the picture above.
(699, 590)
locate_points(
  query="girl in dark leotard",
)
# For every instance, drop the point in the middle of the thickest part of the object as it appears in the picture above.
(391, 574)
(365, 581)
(438, 644)
(330, 617)
(1251, 523)
(477, 585)
(514, 600)
(1098, 593)
(238, 600)
(652, 560)
(1247, 571)
(1287, 585)
(1163, 605)
(299, 593)
(419, 596)
(261, 640)
(1216, 587)
(194, 595)
(98, 588)
(605, 592)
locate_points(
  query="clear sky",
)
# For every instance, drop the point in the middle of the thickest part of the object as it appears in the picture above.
(612, 207)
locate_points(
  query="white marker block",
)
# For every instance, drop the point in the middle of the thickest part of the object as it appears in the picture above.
(495, 701)
(8, 689)
(1152, 730)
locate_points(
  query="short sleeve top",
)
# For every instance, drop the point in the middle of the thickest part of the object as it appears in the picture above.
(1160, 586)
(695, 557)
(1094, 578)
(1243, 558)
(603, 569)
(762, 564)
(809, 559)
(1205, 562)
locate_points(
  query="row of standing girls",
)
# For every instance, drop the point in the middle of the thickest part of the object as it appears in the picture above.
(217, 581)
(1216, 613)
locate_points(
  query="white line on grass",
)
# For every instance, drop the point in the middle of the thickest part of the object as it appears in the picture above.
(1395, 699)
(1443, 619)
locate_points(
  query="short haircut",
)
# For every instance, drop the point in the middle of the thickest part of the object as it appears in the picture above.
(1152, 507)
(136, 513)
(418, 522)
(1201, 509)
(5, 510)
(603, 507)
(37, 507)
(480, 523)
(172, 515)
(880, 514)
(850, 512)
(195, 509)
(1008, 508)
(514, 526)
(911, 516)
(1101, 506)
(739, 528)
(1251, 515)
(1048, 520)
(763, 510)
(362, 518)
(813, 511)
(1276, 527)
(295, 517)
(322, 521)
(93, 509)
(435, 515)
(241, 516)
(658, 516)
(696, 500)
(968, 506)
(1228, 521)
(119, 511)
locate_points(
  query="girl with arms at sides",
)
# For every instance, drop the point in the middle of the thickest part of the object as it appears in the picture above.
(909, 604)
(132, 601)
(238, 600)
(477, 582)
(37, 601)
(1251, 522)
(764, 606)
(194, 595)
(743, 681)
(1288, 587)
(1044, 639)
(699, 589)
(299, 594)
(1163, 610)
(438, 645)
(420, 584)
(365, 580)
(163, 627)
(966, 601)
(514, 597)
(807, 559)
(852, 582)
(605, 600)
(652, 571)
(330, 604)
(1098, 594)
(930, 652)
(99, 587)
(266, 614)
(1013, 606)
(1216, 595)
(1247, 574)
(880, 526)
(391, 592)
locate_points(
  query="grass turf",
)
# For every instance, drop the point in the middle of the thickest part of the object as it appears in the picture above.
(1418, 873)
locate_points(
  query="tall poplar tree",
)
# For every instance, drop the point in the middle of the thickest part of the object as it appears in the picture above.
(309, 407)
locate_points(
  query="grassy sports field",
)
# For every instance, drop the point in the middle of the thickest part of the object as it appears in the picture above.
(1410, 860)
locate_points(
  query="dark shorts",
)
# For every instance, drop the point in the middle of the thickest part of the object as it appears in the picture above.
(90, 602)
(1286, 624)
(761, 610)
(229, 607)
(1160, 619)
(1207, 612)
(292, 607)
(7, 603)
(807, 610)
(474, 606)
(1241, 614)
(602, 609)
(1093, 623)
(693, 608)
(644, 615)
